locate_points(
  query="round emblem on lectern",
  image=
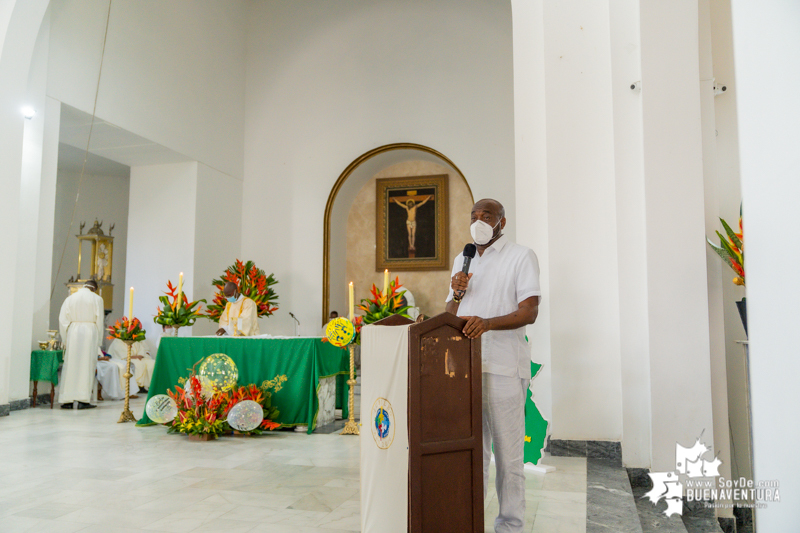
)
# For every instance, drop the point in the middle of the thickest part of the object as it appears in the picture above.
(382, 423)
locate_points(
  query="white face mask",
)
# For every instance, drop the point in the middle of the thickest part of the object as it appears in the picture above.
(482, 232)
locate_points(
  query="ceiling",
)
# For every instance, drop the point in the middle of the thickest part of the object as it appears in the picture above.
(110, 144)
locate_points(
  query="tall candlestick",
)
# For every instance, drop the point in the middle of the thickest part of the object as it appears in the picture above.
(180, 290)
(386, 284)
(351, 302)
(130, 306)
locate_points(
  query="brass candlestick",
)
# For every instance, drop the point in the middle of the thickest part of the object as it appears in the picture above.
(350, 427)
(126, 415)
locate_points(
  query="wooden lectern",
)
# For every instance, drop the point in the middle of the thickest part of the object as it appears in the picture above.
(422, 469)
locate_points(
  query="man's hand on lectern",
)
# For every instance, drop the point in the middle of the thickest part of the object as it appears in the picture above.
(475, 326)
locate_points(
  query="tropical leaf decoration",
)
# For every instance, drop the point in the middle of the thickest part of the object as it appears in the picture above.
(252, 282)
(731, 248)
(127, 330)
(382, 305)
(177, 311)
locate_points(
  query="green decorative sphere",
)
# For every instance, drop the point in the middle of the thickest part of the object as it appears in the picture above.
(220, 371)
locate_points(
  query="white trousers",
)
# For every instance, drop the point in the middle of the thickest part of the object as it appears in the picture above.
(504, 427)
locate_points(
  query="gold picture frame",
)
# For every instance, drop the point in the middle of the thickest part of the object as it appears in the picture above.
(412, 223)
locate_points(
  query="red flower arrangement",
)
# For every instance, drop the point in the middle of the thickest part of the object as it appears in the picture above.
(252, 282)
(127, 330)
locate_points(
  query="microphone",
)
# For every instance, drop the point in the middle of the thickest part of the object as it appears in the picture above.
(469, 253)
(297, 327)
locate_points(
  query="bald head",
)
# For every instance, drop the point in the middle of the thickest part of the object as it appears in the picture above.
(490, 206)
(230, 289)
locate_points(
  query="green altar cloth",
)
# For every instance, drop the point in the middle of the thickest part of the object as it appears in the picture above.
(304, 361)
(44, 365)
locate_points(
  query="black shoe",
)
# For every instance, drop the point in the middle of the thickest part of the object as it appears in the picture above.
(142, 390)
(66, 405)
(82, 405)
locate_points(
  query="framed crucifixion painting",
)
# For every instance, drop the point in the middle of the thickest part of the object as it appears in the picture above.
(412, 223)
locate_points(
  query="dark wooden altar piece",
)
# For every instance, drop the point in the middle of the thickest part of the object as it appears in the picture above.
(445, 475)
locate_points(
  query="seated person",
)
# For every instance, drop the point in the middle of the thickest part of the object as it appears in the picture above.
(141, 362)
(334, 314)
(240, 317)
(109, 378)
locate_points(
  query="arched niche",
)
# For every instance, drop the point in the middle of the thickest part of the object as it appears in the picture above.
(341, 197)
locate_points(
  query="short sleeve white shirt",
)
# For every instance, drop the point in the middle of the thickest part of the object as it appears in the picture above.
(505, 275)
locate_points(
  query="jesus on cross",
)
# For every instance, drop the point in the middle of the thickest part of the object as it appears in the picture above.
(411, 221)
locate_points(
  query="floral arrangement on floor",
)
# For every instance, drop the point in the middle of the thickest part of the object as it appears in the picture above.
(261, 396)
(200, 409)
(203, 411)
(731, 248)
(125, 329)
(178, 311)
(252, 282)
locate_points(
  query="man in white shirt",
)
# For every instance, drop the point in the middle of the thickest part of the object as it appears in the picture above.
(240, 316)
(81, 326)
(499, 297)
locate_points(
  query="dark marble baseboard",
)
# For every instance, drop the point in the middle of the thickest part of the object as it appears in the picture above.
(608, 451)
(5, 409)
(609, 499)
(19, 405)
(744, 519)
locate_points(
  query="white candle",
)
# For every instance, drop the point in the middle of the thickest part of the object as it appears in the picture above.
(130, 306)
(351, 302)
(180, 290)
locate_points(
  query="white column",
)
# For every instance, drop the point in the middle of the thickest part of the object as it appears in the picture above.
(581, 223)
(714, 273)
(531, 177)
(631, 240)
(680, 385)
(766, 44)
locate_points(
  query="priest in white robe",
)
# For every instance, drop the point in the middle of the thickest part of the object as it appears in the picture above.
(240, 317)
(142, 363)
(81, 326)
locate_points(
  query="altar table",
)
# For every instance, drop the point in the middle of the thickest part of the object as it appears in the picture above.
(303, 360)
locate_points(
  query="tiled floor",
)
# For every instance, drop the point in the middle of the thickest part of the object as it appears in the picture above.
(67, 471)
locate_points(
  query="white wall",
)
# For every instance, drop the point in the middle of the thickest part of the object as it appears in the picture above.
(18, 40)
(47, 207)
(104, 198)
(729, 198)
(161, 232)
(716, 312)
(28, 229)
(767, 46)
(329, 81)
(173, 71)
(183, 217)
(217, 236)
